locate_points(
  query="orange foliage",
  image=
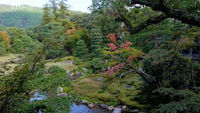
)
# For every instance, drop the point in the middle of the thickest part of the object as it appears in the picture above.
(4, 37)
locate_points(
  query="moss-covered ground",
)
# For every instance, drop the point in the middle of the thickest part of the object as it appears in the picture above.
(99, 87)
(65, 63)
(8, 57)
(111, 90)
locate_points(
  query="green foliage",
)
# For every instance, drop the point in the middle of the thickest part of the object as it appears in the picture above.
(21, 19)
(23, 16)
(96, 42)
(176, 81)
(97, 63)
(56, 70)
(81, 49)
(101, 91)
(177, 101)
(29, 76)
(153, 36)
(3, 48)
(51, 105)
(50, 81)
(46, 15)
(67, 89)
(170, 68)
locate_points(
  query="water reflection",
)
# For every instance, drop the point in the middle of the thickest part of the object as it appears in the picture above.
(75, 108)
(79, 108)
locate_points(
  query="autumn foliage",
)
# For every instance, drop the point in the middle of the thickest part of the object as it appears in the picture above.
(119, 50)
(4, 38)
(113, 46)
(112, 37)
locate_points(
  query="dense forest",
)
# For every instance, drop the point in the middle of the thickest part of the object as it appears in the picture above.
(125, 56)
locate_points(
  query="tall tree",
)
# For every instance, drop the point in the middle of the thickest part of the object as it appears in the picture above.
(63, 12)
(81, 49)
(96, 42)
(54, 8)
(46, 18)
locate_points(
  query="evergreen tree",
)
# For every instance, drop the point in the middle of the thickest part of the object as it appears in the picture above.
(63, 13)
(81, 49)
(46, 15)
(96, 42)
(54, 8)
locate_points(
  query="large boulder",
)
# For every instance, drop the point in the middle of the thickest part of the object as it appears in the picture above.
(117, 110)
(104, 106)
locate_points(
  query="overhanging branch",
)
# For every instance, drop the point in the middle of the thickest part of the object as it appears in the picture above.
(134, 29)
(180, 14)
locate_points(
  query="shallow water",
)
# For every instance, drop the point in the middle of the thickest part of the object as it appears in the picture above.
(75, 108)
(85, 109)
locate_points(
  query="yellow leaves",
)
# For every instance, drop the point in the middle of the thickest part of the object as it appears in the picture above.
(71, 31)
(5, 38)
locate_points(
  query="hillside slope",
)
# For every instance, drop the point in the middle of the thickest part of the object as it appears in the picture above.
(23, 16)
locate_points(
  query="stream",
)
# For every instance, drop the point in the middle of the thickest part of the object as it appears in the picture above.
(75, 108)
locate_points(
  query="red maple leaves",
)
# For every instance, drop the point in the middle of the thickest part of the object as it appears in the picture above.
(110, 71)
(116, 68)
(113, 46)
(112, 37)
(130, 59)
(126, 45)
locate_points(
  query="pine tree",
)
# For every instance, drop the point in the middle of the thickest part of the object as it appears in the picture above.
(96, 42)
(63, 13)
(81, 49)
(54, 8)
(46, 15)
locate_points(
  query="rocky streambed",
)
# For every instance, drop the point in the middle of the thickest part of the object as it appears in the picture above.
(75, 108)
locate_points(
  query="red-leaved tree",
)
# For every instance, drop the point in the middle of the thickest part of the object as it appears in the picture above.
(126, 57)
